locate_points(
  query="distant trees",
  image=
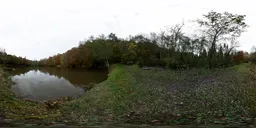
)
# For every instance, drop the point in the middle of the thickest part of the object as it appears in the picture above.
(172, 48)
(12, 60)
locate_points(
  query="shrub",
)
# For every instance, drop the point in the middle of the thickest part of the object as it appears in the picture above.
(240, 57)
(129, 58)
(151, 62)
(252, 58)
(171, 62)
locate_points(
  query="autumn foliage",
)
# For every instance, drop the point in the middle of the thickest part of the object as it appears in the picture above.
(240, 57)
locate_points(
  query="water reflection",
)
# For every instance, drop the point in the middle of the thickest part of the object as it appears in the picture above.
(52, 83)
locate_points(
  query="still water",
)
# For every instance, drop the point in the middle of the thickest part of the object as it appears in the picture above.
(52, 83)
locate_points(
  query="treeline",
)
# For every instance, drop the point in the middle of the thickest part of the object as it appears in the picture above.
(144, 51)
(214, 46)
(6, 59)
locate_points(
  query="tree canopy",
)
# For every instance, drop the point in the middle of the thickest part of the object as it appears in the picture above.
(219, 27)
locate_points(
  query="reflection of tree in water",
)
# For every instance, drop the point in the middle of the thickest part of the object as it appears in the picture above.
(20, 71)
(77, 76)
(51, 71)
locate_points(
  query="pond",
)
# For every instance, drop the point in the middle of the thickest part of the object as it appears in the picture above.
(48, 83)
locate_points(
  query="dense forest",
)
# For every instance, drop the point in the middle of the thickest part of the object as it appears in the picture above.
(7, 59)
(213, 46)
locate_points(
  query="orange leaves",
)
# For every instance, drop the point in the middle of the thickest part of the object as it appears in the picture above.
(240, 57)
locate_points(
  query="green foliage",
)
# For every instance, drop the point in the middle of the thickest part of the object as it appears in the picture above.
(129, 58)
(171, 62)
(13, 60)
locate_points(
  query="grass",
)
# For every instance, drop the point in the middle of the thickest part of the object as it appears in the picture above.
(134, 95)
(242, 68)
(197, 96)
(104, 102)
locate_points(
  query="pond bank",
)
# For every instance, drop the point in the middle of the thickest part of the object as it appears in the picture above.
(155, 97)
(15, 110)
(196, 96)
(42, 84)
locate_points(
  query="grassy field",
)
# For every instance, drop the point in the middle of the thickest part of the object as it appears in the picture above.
(157, 96)
(197, 96)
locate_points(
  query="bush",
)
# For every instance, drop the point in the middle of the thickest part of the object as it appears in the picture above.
(151, 62)
(240, 57)
(129, 58)
(252, 58)
(171, 62)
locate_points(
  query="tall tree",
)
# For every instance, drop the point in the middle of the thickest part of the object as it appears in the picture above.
(221, 26)
(112, 37)
(3, 55)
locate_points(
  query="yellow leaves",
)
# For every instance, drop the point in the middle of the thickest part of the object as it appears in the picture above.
(132, 46)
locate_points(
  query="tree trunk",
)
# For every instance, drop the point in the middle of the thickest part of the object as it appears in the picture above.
(107, 64)
(212, 49)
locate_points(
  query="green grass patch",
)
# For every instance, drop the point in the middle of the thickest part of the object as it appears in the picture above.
(104, 102)
(242, 68)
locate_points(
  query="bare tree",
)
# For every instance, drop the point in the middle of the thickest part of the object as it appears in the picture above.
(176, 35)
(253, 50)
(4, 56)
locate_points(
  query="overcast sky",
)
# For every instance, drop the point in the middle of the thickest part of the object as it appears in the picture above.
(41, 28)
